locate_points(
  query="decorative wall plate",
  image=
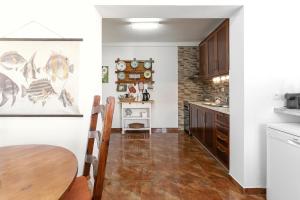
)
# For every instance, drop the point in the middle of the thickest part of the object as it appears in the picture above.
(121, 75)
(147, 64)
(147, 74)
(134, 64)
(121, 65)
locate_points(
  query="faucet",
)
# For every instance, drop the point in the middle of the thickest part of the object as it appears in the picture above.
(218, 100)
(227, 100)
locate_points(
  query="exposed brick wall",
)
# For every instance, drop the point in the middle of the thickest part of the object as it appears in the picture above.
(194, 89)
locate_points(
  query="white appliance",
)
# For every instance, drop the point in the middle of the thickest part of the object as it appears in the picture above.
(283, 161)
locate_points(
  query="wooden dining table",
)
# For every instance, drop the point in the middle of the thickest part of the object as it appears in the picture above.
(42, 172)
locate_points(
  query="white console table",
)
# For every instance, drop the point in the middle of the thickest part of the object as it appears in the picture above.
(136, 107)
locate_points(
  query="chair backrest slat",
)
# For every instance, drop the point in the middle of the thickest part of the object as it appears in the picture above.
(102, 138)
(102, 156)
(90, 158)
(96, 135)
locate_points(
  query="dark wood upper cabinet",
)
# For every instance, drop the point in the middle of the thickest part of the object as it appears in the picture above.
(223, 48)
(203, 55)
(214, 52)
(212, 55)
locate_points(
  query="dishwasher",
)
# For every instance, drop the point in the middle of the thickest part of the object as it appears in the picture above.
(283, 161)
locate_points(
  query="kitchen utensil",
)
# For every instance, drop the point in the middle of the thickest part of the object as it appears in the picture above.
(150, 86)
(121, 75)
(147, 74)
(141, 86)
(139, 97)
(121, 65)
(146, 96)
(131, 88)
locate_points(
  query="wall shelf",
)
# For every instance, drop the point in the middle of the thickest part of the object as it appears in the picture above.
(139, 69)
(133, 72)
(136, 118)
(286, 111)
(134, 81)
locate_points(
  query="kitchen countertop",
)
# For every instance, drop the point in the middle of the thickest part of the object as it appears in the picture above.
(218, 109)
(289, 128)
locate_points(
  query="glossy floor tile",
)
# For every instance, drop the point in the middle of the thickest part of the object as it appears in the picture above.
(165, 167)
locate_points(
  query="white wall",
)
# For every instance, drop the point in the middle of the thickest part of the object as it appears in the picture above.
(271, 67)
(236, 93)
(69, 19)
(165, 93)
(266, 72)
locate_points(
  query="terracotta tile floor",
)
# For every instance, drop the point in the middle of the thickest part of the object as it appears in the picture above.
(165, 167)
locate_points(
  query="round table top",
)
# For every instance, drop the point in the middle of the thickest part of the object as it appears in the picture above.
(36, 172)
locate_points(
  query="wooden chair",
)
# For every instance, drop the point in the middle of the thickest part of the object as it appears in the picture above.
(79, 190)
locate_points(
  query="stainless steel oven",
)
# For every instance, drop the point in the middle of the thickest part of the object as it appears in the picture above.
(186, 114)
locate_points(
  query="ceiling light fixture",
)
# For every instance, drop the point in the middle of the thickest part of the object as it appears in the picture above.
(144, 20)
(144, 26)
(144, 23)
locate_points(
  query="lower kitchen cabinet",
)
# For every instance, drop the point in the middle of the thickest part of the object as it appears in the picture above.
(201, 124)
(221, 129)
(211, 128)
(194, 120)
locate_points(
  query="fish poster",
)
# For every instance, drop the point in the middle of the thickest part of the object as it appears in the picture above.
(39, 77)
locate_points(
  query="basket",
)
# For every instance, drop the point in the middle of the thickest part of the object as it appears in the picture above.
(136, 125)
(129, 99)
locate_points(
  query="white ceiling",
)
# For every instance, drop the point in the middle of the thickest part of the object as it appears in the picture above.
(166, 11)
(181, 23)
(169, 30)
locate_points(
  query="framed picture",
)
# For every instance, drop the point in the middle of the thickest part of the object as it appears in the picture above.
(105, 74)
(121, 88)
(39, 77)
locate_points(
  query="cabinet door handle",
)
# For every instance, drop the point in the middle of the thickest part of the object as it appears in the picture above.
(221, 149)
(221, 137)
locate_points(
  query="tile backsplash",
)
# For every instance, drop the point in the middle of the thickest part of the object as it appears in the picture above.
(190, 87)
